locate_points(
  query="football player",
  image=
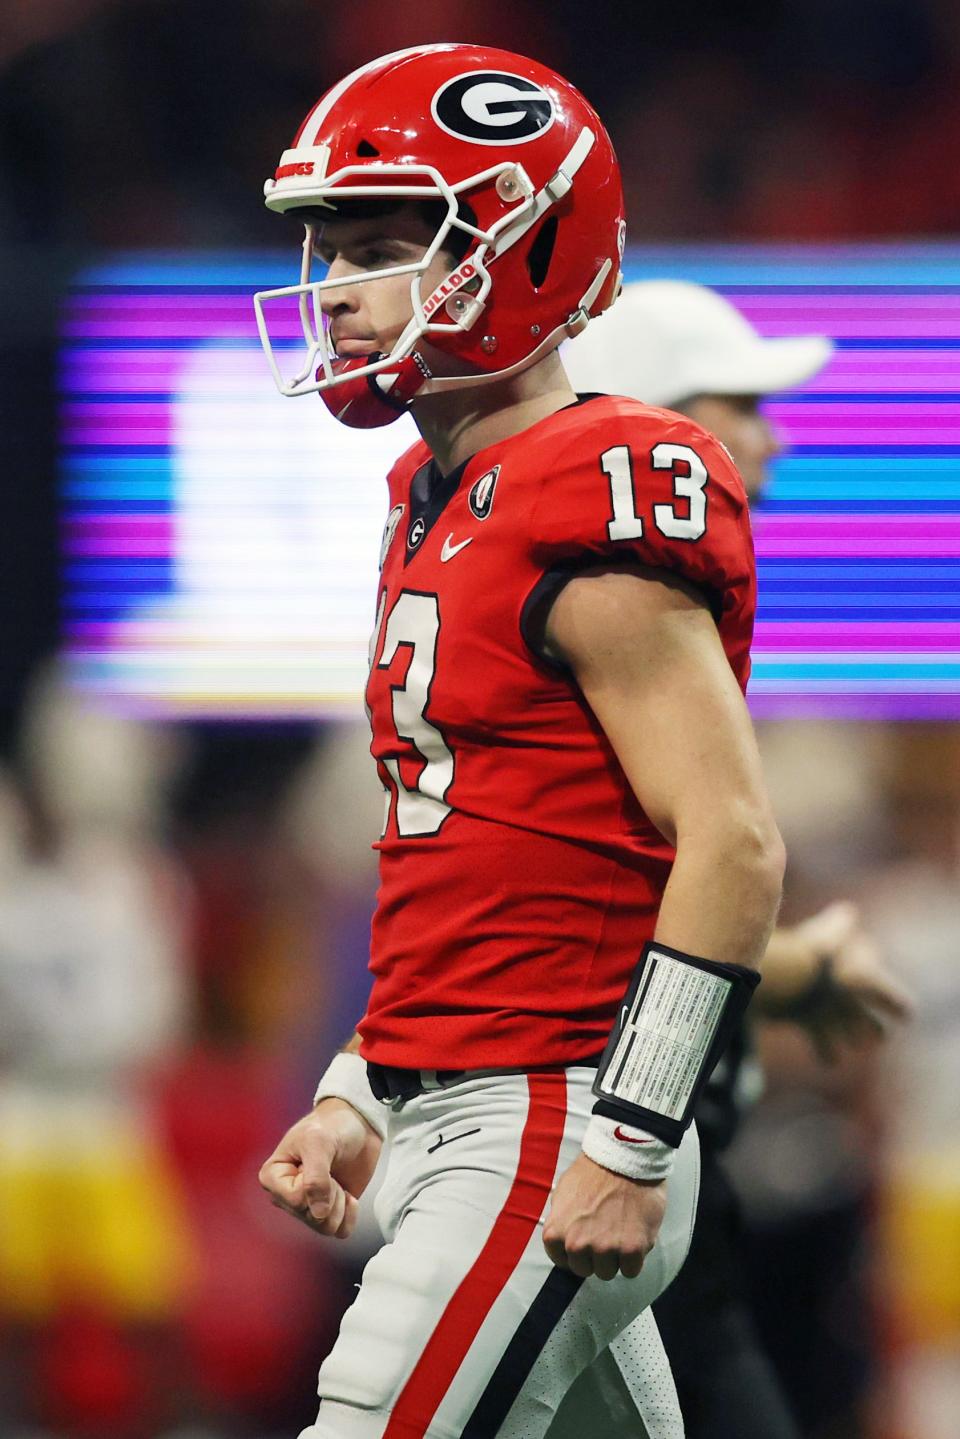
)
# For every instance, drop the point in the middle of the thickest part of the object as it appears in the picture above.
(579, 870)
(684, 346)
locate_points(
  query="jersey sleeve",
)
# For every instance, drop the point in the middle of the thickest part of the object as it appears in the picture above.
(654, 490)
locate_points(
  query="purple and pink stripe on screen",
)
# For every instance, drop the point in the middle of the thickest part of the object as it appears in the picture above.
(858, 541)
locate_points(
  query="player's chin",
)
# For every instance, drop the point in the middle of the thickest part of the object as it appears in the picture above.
(354, 349)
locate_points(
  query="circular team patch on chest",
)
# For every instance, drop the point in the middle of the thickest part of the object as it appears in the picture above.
(417, 531)
(491, 107)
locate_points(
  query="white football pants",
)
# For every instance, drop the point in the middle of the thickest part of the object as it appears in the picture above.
(462, 1327)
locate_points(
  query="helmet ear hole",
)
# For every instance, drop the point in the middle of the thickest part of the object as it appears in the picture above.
(367, 150)
(541, 252)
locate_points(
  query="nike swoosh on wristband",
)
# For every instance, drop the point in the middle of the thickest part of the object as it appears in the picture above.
(448, 551)
(626, 1139)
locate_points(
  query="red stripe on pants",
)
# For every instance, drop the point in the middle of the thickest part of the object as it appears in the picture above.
(460, 1322)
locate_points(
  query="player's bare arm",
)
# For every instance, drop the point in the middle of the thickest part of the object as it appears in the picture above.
(645, 653)
(325, 1161)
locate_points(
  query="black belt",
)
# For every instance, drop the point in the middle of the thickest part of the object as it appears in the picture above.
(396, 1086)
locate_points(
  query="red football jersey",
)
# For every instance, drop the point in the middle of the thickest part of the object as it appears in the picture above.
(519, 876)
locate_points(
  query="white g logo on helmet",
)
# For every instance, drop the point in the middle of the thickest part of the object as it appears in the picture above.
(491, 107)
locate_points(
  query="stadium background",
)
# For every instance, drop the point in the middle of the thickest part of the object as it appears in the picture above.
(185, 883)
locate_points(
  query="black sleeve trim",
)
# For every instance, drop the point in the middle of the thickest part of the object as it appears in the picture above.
(537, 605)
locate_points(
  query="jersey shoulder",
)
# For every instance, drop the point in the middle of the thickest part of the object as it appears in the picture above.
(586, 431)
(625, 482)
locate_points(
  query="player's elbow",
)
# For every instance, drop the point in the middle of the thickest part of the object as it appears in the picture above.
(773, 862)
(761, 856)
(742, 843)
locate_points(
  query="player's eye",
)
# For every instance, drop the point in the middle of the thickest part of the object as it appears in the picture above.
(371, 255)
(379, 257)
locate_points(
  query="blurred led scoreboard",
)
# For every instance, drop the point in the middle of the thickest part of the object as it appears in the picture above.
(220, 542)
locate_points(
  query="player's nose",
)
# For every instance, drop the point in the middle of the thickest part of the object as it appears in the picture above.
(340, 296)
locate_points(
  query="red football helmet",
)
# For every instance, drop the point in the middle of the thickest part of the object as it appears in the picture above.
(541, 218)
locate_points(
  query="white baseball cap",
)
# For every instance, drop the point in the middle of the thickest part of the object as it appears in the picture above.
(667, 340)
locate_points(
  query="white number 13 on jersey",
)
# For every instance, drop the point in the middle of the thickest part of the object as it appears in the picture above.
(415, 621)
(689, 484)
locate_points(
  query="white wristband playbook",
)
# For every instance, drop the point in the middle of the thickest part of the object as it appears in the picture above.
(346, 1078)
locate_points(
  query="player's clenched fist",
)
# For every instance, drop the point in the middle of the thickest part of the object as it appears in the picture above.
(602, 1223)
(321, 1167)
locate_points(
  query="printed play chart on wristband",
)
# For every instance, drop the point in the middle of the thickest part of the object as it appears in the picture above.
(220, 542)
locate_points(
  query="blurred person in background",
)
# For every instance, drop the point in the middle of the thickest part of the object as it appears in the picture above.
(258, 949)
(94, 1253)
(912, 897)
(686, 348)
(157, 936)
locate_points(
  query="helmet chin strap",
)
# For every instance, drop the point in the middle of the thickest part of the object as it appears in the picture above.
(368, 402)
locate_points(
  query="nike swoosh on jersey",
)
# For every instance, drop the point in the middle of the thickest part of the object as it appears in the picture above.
(448, 551)
(626, 1139)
